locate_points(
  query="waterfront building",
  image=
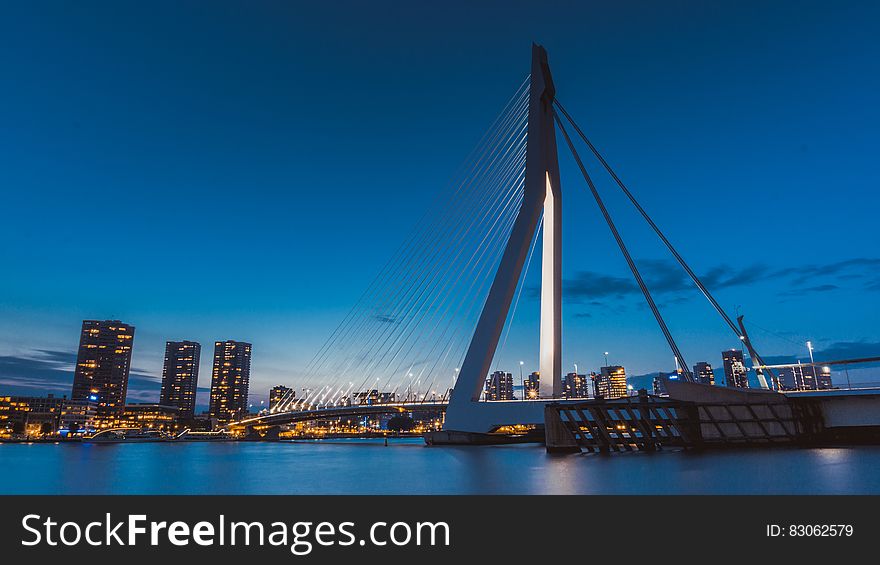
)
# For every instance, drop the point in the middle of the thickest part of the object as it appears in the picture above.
(78, 416)
(103, 362)
(575, 386)
(277, 394)
(704, 374)
(32, 415)
(532, 386)
(180, 376)
(230, 379)
(152, 416)
(610, 382)
(735, 372)
(499, 386)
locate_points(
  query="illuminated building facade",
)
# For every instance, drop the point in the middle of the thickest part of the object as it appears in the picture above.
(532, 386)
(704, 374)
(103, 362)
(151, 416)
(499, 386)
(277, 394)
(230, 378)
(373, 396)
(79, 416)
(734, 368)
(180, 376)
(32, 415)
(610, 382)
(575, 386)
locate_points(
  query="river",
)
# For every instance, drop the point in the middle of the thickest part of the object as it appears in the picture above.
(407, 466)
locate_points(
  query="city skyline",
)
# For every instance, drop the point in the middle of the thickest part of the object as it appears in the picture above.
(688, 149)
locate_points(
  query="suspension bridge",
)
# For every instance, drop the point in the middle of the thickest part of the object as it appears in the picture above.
(425, 333)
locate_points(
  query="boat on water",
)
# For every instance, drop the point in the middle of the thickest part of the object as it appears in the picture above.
(127, 435)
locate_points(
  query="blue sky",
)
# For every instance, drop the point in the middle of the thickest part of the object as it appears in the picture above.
(239, 171)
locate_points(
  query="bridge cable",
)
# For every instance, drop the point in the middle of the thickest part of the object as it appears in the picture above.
(696, 280)
(489, 169)
(485, 146)
(629, 260)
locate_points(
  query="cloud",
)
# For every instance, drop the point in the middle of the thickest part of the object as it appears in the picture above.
(49, 371)
(592, 285)
(809, 290)
(665, 277)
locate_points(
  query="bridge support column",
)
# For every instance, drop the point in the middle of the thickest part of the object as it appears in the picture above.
(542, 197)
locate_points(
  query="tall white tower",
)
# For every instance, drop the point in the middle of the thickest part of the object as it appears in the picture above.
(542, 198)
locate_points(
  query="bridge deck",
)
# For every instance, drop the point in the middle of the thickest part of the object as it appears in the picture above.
(291, 417)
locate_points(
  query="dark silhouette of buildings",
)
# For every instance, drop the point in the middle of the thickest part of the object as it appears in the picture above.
(180, 376)
(103, 363)
(704, 374)
(230, 378)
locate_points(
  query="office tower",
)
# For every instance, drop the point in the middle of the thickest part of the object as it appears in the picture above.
(610, 383)
(532, 386)
(734, 368)
(277, 394)
(499, 386)
(180, 376)
(575, 386)
(230, 377)
(704, 374)
(102, 366)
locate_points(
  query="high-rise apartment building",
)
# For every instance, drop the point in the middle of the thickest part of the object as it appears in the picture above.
(230, 378)
(180, 376)
(499, 386)
(103, 362)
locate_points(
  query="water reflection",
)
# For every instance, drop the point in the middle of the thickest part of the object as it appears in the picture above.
(408, 467)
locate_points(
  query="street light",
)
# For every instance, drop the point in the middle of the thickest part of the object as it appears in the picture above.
(606, 358)
(522, 383)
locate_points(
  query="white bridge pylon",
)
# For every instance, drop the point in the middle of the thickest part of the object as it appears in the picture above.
(542, 198)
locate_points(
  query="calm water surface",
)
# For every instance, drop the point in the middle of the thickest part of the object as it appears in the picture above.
(409, 467)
